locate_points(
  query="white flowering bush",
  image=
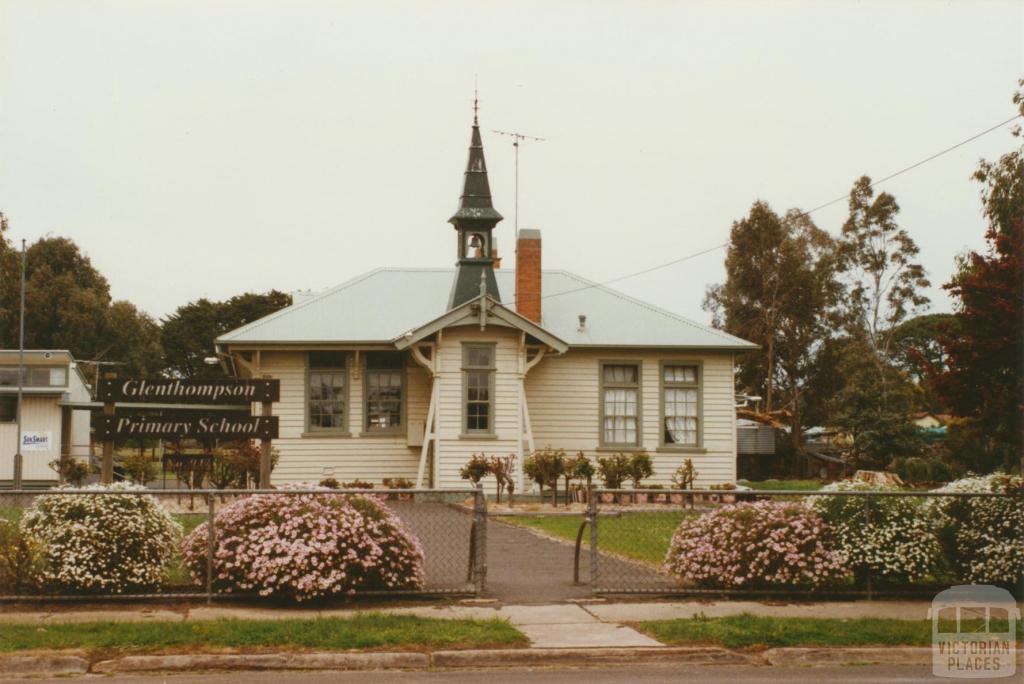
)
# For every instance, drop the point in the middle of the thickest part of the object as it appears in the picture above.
(307, 546)
(889, 537)
(759, 544)
(982, 537)
(110, 543)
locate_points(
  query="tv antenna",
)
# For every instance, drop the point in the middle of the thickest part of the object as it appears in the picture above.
(516, 139)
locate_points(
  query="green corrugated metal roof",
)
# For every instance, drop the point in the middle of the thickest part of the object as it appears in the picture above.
(380, 306)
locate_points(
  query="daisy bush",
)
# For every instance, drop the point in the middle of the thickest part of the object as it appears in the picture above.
(895, 541)
(760, 544)
(983, 538)
(112, 543)
(307, 546)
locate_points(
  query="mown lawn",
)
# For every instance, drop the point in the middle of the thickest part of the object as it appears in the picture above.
(776, 485)
(749, 631)
(364, 631)
(644, 536)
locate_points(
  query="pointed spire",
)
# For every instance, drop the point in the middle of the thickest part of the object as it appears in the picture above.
(475, 202)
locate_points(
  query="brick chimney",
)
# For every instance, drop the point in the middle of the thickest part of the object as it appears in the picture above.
(528, 274)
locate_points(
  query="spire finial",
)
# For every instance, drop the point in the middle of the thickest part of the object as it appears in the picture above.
(476, 101)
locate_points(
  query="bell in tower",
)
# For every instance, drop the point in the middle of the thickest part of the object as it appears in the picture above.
(474, 221)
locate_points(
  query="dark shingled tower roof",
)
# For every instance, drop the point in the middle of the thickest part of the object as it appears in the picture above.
(475, 202)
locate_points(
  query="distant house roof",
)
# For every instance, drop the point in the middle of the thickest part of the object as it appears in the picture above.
(383, 305)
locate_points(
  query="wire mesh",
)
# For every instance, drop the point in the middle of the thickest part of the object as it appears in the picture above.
(450, 526)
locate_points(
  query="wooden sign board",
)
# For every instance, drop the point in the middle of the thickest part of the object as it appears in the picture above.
(228, 426)
(193, 391)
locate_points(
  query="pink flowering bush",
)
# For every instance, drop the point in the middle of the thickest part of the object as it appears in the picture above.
(760, 544)
(307, 546)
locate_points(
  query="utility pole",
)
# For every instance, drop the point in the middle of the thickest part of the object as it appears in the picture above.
(517, 138)
(18, 458)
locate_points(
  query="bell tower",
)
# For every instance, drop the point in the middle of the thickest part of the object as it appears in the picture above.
(474, 222)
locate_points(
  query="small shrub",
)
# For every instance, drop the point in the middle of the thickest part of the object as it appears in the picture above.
(582, 468)
(71, 470)
(504, 471)
(759, 544)
(890, 537)
(477, 468)
(917, 470)
(112, 543)
(357, 484)
(398, 483)
(21, 560)
(982, 538)
(685, 475)
(307, 546)
(640, 466)
(544, 467)
(613, 470)
(139, 466)
(330, 483)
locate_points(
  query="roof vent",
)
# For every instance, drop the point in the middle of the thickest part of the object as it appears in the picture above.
(583, 323)
(300, 296)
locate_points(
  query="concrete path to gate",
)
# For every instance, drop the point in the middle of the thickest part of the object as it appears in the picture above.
(524, 567)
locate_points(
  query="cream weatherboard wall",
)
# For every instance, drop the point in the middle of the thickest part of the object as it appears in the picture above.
(563, 393)
(308, 457)
(564, 401)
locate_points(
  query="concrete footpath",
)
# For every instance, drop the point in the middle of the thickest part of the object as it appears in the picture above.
(584, 633)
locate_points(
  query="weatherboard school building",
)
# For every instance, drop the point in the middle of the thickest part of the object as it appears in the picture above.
(407, 373)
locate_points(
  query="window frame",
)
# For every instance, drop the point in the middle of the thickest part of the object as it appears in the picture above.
(491, 370)
(310, 429)
(402, 368)
(697, 448)
(639, 387)
(32, 367)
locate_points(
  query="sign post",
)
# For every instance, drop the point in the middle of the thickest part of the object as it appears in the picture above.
(107, 467)
(266, 463)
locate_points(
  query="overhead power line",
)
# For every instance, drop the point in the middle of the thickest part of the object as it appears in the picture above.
(680, 260)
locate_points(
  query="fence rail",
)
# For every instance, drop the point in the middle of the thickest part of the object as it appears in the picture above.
(450, 525)
(630, 532)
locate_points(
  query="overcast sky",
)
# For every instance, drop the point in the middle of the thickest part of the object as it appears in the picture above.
(203, 149)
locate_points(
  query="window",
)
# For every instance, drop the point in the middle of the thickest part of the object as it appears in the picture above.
(620, 404)
(328, 385)
(35, 376)
(8, 408)
(680, 405)
(384, 391)
(478, 388)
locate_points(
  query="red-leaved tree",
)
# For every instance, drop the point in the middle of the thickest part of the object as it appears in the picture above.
(983, 383)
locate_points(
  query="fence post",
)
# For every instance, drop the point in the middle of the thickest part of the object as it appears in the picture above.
(867, 525)
(211, 540)
(480, 539)
(592, 514)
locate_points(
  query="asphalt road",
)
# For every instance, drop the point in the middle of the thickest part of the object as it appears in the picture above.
(609, 675)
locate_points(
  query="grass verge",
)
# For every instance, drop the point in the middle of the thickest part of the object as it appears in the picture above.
(368, 631)
(749, 631)
(644, 536)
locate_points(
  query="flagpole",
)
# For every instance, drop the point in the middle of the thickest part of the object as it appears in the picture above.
(18, 460)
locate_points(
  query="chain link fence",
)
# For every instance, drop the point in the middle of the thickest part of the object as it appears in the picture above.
(449, 525)
(629, 532)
